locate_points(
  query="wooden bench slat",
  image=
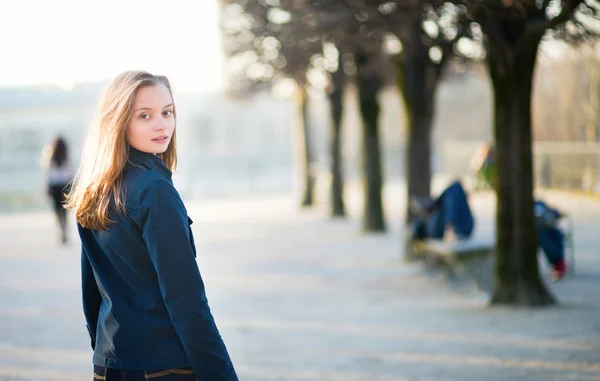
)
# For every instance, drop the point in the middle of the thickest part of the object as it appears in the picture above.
(455, 250)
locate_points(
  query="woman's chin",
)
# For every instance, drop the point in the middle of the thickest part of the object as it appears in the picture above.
(158, 148)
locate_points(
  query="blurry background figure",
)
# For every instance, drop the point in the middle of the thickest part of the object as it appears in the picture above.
(55, 162)
(448, 217)
(551, 238)
(482, 166)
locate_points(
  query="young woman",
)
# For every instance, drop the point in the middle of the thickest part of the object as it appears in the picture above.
(143, 296)
(59, 175)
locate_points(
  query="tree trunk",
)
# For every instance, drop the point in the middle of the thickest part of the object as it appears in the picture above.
(368, 88)
(417, 82)
(418, 77)
(373, 219)
(304, 148)
(337, 180)
(517, 274)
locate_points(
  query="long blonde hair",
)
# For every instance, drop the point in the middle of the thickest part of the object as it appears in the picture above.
(105, 152)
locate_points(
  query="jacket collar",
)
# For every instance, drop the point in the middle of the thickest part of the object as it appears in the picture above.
(150, 161)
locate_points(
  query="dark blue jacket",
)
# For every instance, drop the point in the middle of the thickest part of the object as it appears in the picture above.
(143, 296)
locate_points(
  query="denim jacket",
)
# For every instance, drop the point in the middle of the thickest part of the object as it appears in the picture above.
(143, 296)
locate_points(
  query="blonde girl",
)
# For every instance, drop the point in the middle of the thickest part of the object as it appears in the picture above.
(143, 297)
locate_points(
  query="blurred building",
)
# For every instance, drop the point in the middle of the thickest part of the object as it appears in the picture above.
(240, 147)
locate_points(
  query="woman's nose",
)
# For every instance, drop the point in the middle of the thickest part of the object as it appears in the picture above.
(160, 125)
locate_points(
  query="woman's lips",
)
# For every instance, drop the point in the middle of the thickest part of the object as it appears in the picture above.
(161, 139)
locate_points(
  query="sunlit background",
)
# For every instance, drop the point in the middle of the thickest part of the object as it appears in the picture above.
(66, 42)
(59, 55)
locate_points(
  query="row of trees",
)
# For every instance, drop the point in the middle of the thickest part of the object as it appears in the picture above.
(269, 41)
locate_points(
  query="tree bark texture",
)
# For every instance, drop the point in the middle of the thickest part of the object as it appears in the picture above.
(418, 77)
(304, 149)
(369, 85)
(517, 280)
(337, 180)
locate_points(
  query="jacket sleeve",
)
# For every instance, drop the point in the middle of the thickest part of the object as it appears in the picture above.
(166, 231)
(91, 296)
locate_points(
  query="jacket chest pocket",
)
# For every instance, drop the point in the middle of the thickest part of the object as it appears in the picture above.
(192, 242)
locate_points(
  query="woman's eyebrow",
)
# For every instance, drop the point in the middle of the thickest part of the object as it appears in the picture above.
(150, 108)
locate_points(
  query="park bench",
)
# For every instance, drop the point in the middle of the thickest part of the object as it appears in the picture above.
(468, 261)
(454, 255)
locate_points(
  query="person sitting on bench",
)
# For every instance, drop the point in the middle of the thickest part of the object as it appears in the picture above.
(449, 216)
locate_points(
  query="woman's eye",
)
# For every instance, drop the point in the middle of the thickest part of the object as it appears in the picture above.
(168, 112)
(145, 116)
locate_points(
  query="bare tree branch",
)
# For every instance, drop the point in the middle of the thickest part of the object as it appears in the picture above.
(539, 27)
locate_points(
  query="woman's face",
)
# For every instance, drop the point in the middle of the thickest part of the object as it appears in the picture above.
(152, 123)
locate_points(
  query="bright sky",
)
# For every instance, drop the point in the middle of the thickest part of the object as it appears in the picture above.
(66, 41)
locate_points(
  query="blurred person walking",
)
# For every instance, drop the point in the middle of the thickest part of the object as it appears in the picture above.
(55, 162)
(144, 299)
